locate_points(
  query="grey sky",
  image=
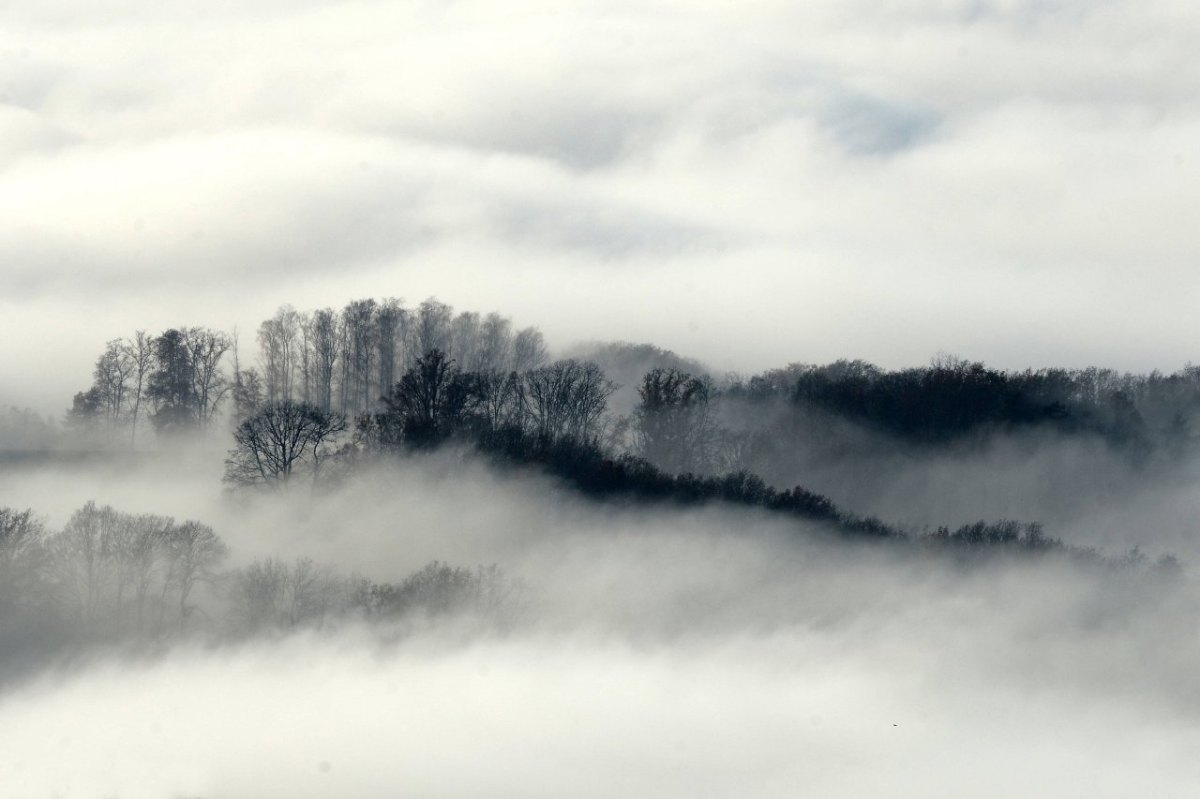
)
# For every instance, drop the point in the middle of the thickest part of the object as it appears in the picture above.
(748, 183)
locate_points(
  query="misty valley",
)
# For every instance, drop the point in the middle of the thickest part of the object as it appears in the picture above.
(662, 399)
(390, 550)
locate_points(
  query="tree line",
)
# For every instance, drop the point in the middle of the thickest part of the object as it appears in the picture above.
(182, 379)
(378, 379)
(350, 361)
(554, 418)
(953, 398)
(109, 576)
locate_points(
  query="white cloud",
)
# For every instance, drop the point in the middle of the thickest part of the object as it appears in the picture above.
(1006, 180)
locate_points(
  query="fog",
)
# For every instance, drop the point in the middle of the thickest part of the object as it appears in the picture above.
(1080, 487)
(738, 186)
(664, 651)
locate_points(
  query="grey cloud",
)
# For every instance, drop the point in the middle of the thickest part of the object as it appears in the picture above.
(170, 145)
(688, 653)
(868, 126)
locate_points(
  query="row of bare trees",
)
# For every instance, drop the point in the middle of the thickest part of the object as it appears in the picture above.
(109, 576)
(337, 361)
(273, 595)
(106, 571)
(435, 398)
(346, 360)
(432, 400)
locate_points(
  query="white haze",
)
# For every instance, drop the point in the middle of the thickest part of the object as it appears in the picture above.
(704, 652)
(751, 183)
(746, 183)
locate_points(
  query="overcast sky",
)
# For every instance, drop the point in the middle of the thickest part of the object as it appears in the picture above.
(750, 183)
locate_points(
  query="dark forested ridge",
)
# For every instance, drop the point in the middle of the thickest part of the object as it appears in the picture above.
(953, 398)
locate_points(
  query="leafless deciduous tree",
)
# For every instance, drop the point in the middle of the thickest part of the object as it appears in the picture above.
(529, 350)
(427, 403)
(22, 558)
(194, 552)
(566, 398)
(439, 589)
(281, 440)
(673, 427)
(495, 349)
(206, 348)
(464, 340)
(325, 354)
(279, 349)
(139, 349)
(358, 355)
(497, 393)
(433, 326)
(270, 594)
(112, 374)
(390, 328)
(110, 570)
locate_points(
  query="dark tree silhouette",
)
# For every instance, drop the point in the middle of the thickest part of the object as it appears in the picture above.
(279, 441)
(170, 386)
(565, 399)
(672, 425)
(427, 404)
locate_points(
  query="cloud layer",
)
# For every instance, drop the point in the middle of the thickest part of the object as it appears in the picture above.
(665, 652)
(753, 185)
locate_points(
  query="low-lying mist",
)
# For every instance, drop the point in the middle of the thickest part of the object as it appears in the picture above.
(1079, 487)
(700, 651)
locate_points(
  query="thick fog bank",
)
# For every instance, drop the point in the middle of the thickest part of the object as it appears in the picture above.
(810, 712)
(665, 652)
(1081, 488)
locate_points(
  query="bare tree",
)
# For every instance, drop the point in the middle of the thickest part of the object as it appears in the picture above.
(565, 399)
(433, 327)
(464, 340)
(140, 351)
(206, 348)
(256, 594)
(529, 350)
(673, 428)
(279, 441)
(495, 344)
(143, 553)
(81, 562)
(498, 395)
(389, 330)
(268, 593)
(358, 354)
(279, 348)
(324, 335)
(112, 374)
(22, 558)
(194, 552)
(307, 358)
(427, 403)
